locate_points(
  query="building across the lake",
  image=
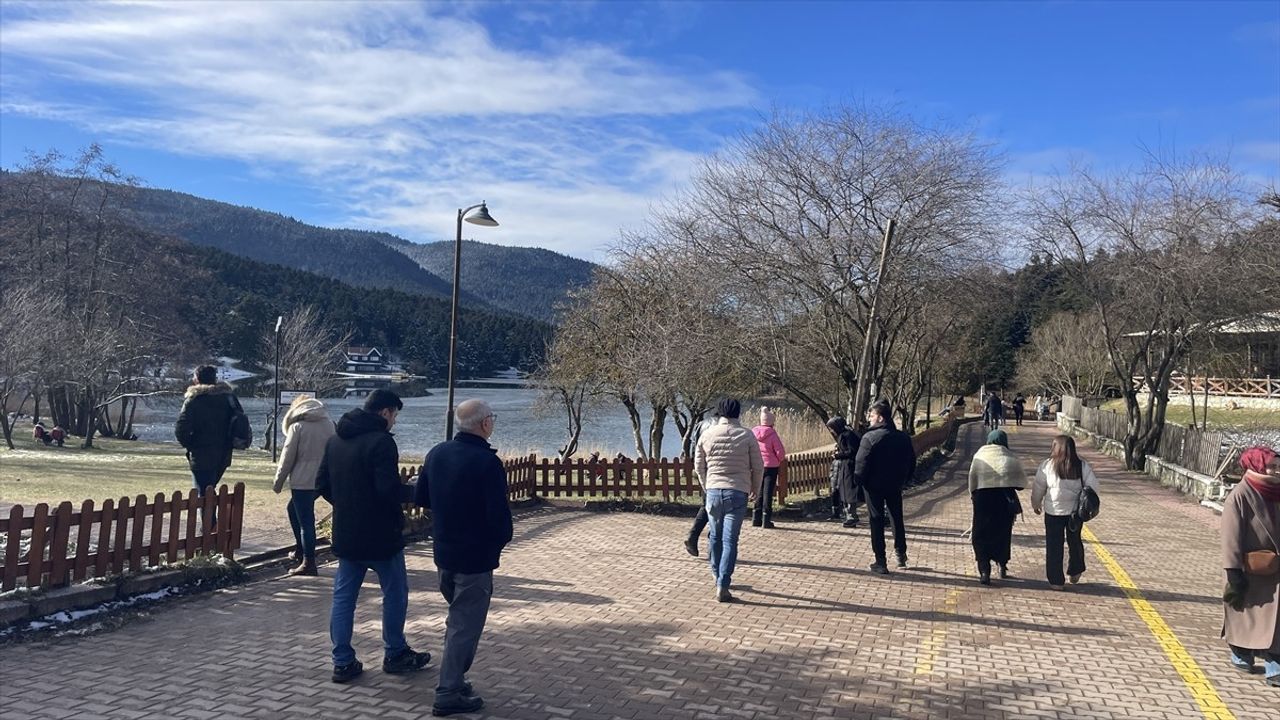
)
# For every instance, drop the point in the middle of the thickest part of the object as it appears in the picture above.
(368, 369)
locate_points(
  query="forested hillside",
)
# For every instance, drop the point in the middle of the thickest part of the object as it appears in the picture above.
(529, 281)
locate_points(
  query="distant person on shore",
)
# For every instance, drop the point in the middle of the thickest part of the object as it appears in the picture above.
(773, 454)
(1056, 490)
(701, 519)
(360, 477)
(204, 429)
(1019, 406)
(1250, 547)
(731, 471)
(995, 477)
(307, 429)
(885, 463)
(39, 434)
(465, 486)
(845, 493)
(58, 435)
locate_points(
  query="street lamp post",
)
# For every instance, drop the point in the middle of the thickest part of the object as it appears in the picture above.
(481, 217)
(275, 410)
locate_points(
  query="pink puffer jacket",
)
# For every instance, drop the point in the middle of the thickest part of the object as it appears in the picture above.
(771, 449)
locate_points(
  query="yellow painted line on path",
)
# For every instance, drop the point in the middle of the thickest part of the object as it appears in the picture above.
(932, 646)
(1211, 704)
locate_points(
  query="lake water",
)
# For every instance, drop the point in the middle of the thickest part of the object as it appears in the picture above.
(522, 426)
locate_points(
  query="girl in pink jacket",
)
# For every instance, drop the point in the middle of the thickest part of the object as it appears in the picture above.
(773, 453)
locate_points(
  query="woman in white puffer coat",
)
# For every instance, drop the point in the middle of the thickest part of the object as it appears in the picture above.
(307, 429)
(1059, 482)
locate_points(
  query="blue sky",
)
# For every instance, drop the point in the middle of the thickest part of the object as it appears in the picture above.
(570, 119)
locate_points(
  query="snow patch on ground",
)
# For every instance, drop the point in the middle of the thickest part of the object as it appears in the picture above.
(66, 617)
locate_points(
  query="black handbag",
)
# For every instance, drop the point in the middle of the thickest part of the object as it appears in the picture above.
(1087, 504)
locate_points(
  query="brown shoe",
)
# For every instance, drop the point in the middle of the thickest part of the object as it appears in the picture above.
(306, 569)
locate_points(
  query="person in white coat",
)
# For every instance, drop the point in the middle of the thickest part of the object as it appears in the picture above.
(307, 428)
(1055, 492)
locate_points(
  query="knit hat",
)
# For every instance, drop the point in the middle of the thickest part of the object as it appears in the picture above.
(766, 416)
(998, 437)
(1257, 458)
(729, 408)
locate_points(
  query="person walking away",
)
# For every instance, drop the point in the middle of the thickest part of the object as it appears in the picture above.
(701, 519)
(1019, 407)
(1055, 492)
(360, 476)
(773, 454)
(307, 429)
(995, 477)
(465, 486)
(1250, 547)
(731, 471)
(204, 429)
(845, 494)
(994, 410)
(885, 463)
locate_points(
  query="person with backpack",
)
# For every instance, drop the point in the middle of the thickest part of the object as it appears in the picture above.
(1062, 482)
(307, 428)
(209, 426)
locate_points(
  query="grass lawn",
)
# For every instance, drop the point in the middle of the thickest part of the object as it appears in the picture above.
(1220, 418)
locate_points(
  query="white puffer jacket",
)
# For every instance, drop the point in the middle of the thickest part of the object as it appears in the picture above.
(307, 428)
(728, 458)
(1058, 496)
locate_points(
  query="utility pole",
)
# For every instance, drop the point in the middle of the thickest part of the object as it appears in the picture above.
(864, 371)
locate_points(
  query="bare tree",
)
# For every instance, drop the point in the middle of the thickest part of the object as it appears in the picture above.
(312, 352)
(1067, 355)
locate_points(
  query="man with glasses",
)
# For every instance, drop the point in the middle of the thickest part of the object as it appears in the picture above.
(465, 486)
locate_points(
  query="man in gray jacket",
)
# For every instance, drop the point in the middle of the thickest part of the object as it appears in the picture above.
(727, 460)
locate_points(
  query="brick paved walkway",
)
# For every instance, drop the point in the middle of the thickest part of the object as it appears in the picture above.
(601, 616)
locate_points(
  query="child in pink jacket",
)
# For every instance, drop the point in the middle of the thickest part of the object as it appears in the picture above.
(773, 453)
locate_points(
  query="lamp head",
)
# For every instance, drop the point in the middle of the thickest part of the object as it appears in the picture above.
(482, 217)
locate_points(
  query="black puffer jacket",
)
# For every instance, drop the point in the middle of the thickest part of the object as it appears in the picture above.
(360, 477)
(204, 425)
(886, 459)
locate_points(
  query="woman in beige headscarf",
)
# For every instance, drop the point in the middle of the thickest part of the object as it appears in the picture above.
(307, 428)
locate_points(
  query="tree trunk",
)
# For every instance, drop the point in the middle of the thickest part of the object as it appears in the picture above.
(128, 428)
(657, 424)
(634, 414)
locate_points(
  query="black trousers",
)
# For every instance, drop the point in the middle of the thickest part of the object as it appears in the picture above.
(992, 526)
(885, 506)
(764, 502)
(699, 522)
(1056, 529)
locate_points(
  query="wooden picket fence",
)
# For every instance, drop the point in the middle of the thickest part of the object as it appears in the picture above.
(1185, 447)
(52, 548)
(665, 479)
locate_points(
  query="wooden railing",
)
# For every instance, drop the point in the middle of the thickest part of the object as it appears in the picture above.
(55, 548)
(1186, 447)
(1266, 387)
(662, 479)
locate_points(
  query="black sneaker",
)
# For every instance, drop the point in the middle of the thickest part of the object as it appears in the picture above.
(879, 568)
(851, 523)
(1004, 572)
(691, 547)
(902, 561)
(347, 673)
(406, 662)
(461, 704)
(768, 525)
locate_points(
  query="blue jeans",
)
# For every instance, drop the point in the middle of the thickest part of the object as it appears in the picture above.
(1242, 657)
(302, 518)
(727, 509)
(395, 604)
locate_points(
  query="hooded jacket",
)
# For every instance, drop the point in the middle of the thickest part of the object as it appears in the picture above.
(465, 485)
(307, 429)
(886, 459)
(772, 451)
(360, 477)
(204, 425)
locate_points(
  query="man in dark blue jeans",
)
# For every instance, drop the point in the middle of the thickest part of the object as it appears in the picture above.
(360, 477)
(465, 486)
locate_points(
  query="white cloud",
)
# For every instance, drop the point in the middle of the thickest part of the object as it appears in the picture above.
(400, 111)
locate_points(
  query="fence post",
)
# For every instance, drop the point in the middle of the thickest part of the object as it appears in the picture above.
(122, 539)
(83, 531)
(104, 538)
(58, 575)
(35, 553)
(782, 482)
(13, 542)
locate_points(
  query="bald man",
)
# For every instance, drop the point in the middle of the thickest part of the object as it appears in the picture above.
(465, 486)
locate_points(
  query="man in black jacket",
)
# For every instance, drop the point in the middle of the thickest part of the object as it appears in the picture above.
(885, 463)
(465, 486)
(360, 477)
(204, 429)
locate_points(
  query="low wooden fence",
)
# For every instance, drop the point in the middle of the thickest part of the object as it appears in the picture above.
(52, 548)
(1185, 447)
(1263, 387)
(662, 479)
